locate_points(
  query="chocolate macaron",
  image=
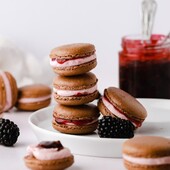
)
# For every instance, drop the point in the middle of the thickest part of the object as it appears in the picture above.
(8, 91)
(118, 103)
(33, 97)
(48, 155)
(82, 119)
(75, 90)
(147, 153)
(73, 59)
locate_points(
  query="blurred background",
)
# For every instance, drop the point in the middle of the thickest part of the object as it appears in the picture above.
(37, 26)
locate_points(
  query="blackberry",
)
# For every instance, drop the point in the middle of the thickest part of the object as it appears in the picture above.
(9, 132)
(111, 127)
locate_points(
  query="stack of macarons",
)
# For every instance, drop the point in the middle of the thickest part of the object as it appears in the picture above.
(74, 88)
(28, 98)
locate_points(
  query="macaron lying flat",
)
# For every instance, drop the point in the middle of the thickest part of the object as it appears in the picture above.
(73, 59)
(8, 91)
(81, 119)
(48, 155)
(33, 97)
(117, 103)
(147, 153)
(75, 90)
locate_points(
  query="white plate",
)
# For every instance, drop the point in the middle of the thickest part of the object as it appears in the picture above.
(157, 123)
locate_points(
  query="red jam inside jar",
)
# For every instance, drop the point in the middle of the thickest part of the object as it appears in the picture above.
(144, 67)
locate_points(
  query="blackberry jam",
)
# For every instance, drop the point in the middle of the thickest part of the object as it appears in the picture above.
(144, 67)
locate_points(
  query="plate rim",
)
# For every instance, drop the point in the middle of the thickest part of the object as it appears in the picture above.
(81, 136)
(110, 142)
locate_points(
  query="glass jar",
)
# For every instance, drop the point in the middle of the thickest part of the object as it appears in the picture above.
(144, 67)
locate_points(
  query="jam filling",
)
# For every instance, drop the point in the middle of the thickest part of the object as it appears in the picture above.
(81, 94)
(61, 61)
(74, 122)
(137, 123)
(49, 144)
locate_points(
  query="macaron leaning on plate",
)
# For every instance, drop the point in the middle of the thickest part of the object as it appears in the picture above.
(82, 119)
(147, 153)
(73, 59)
(8, 91)
(33, 97)
(75, 90)
(117, 103)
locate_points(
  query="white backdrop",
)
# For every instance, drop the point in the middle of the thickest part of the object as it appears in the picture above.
(37, 26)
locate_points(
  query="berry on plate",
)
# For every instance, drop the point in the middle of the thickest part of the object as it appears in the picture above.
(112, 127)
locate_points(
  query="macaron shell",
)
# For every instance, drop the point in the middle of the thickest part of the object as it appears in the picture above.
(78, 82)
(147, 147)
(75, 70)
(82, 112)
(33, 91)
(14, 88)
(130, 166)
(58, 164)
(125, 103)
(3, 94)
(33, 106)
(77, 130)
(76, 112)
(73, 51)
(74, 101)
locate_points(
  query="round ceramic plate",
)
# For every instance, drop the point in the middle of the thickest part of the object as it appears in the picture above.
(157, 123)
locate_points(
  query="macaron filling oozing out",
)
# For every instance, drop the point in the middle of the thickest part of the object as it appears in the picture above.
(48, 151)
(82, 92)
(32, 100)
(148, 161)
(8, 91)
(115, 111)
(82, 122)
(54, 62)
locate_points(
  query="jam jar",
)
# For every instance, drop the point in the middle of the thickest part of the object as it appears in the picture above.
(144, 67)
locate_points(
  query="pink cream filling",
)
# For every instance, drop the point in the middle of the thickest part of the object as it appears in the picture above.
(48, 154)
(32, 100)
(148, 161)
(72, 62)
(8, 91)
(116, 112)
(75, 92)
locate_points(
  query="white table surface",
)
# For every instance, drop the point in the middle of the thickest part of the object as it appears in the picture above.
(11, 158)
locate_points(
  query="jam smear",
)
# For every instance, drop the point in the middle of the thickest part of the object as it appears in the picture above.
(61, 61)
(51, 144)
(75, 122)
(81, 94)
